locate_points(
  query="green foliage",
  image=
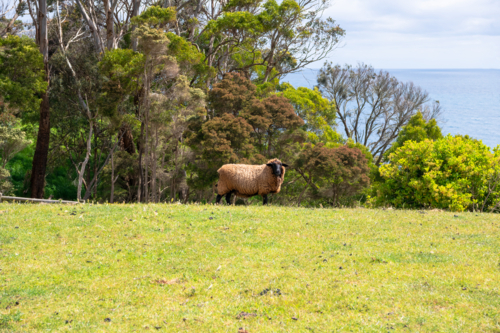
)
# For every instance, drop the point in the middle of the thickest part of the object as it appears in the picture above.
(190, 60)
(275, 15)
(12, 140)
(318, 113)
(123, 65)
(266, 40)
(22, 78)
(237, 22)
(418, 129)
(451, 173)
(121, 69)
(60, 185)
(155, 15)
(5, 184)
(20, 170)
(240, 5)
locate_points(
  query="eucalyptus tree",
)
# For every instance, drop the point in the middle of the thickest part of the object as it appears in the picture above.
(38, 12)
(268, 40)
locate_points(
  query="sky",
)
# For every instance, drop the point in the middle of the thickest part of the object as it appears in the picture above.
(418, 34)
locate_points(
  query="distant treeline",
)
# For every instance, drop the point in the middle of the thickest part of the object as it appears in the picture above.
(142, 101)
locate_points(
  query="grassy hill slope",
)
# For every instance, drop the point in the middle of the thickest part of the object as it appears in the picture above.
(177, 268)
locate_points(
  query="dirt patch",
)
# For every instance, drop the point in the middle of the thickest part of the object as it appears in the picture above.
(167, 282)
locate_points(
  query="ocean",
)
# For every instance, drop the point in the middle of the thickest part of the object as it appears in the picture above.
(470, 98)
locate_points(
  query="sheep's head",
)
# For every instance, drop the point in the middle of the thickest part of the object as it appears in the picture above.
(277, 167)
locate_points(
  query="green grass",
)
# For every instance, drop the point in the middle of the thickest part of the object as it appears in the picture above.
(177, 268)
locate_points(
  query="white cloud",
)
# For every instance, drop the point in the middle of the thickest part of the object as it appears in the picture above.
(419, 33)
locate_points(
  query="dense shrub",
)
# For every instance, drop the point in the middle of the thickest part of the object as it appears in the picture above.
(418, 129)
(334, 174)
(455, 173)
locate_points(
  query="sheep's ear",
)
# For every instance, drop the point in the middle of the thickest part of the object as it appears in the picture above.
(269, 165)
(285, 165)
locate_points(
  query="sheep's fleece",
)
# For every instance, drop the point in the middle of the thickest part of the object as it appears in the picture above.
(249, 180)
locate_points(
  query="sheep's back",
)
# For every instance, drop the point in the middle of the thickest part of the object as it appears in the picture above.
(242, 178)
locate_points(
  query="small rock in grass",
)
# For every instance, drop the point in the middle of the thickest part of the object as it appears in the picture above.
(295, 318)
(107, 320)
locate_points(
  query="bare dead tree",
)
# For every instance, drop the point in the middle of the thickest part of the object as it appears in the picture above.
(373, 107)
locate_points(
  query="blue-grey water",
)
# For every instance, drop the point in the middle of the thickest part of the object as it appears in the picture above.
(470, 98)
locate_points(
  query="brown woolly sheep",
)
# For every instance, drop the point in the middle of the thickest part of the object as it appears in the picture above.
(248, 180)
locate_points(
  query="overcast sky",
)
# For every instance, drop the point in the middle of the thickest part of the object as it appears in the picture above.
(418, 33)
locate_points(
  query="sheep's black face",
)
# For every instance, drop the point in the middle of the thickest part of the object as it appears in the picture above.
(277, 168)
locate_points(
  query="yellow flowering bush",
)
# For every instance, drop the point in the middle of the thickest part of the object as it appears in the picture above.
(456, 173)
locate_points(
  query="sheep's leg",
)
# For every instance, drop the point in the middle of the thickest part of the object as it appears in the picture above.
(265, 199)
(228, 197)
(217, 200)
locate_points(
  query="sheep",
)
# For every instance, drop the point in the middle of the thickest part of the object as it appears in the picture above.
(249, 180)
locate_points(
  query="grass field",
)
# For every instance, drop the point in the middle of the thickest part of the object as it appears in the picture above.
(178, 268)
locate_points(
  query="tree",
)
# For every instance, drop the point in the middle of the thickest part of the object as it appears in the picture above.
(455, 173)
(373, 107)
(265, 40)
(22, 79)
(318, 113)
(333, 173)
(37, 182)
(417, 129)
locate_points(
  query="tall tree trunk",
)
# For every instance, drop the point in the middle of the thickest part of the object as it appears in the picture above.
(141, 173)
(135, 11)
(113, 180)
(43, 139)
(41, 151)
(81, 172)
(146, 160)
(154, 166)
(109, 7)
